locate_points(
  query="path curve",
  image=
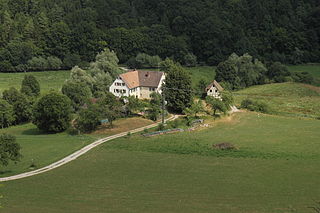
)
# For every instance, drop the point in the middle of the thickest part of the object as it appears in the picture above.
(78, 153)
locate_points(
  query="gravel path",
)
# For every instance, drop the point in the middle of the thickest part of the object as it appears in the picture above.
(78, 153)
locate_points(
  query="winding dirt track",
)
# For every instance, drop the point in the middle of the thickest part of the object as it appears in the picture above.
(78, 153)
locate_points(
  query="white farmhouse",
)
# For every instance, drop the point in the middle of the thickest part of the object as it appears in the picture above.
(214, 89)
(138, 83)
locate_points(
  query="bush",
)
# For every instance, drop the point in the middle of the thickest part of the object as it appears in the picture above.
(54, 63)
(7, 117)
(224, 146)
(10, 149)
(160, 127)
(38, 63)
(89, 119)
(52, 113)
(30, 86)
(253, 105)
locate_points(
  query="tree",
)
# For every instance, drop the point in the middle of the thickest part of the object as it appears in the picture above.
(79, 93)
(52, 113)
(7, 117)
(110, 107)
(22, 107)
(177, 89)
(195, 108)
(241, 71)
(278, 72)
(190, 60)
(156, 105)
(30, 86)
(133, 104)
(9, 149)
(216, 105)
(89, 119)
(227, 99)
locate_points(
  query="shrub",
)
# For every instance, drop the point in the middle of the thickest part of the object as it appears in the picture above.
(224, 146)
(253, 105)
(89, 119)
(30, 86)
(160, 127)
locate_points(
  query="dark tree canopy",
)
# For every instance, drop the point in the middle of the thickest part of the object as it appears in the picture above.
(287, 31)
(52, 113)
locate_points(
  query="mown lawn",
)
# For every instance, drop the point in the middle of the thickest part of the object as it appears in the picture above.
(49, 80)
(139, 174)
(289, 99)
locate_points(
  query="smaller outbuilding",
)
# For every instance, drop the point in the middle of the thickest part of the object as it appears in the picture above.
(214, 89)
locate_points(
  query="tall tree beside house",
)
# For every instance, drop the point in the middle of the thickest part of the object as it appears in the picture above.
(216, 105)
(104, 70)
(178, 89)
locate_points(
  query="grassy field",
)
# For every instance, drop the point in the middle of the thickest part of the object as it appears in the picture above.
(197, 73)
(161, 174)
(290, 99)
(43, 149)
(49, 80)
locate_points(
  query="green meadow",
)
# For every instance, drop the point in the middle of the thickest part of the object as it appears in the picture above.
(49, 80)
(275, 167)
(270, 172)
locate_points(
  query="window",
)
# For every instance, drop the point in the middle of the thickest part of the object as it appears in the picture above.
(211, 90)
(123, 84)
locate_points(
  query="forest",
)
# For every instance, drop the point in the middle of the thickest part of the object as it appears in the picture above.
(58, 34)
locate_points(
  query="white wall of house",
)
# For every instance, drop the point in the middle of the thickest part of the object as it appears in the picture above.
(214, 92)
(159, 90)
(119, 88)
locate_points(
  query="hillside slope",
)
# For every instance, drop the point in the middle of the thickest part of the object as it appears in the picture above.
(289, 99)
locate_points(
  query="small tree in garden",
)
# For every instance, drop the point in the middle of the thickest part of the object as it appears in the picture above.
(79, 93)
(9, 149)
(30, 86)
(52, 113)
(88, 119)
(195, 108)
(216, 105)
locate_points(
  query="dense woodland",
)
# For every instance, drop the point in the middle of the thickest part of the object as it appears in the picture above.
(57, 34)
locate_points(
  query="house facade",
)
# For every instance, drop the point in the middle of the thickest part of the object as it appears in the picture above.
(214, 89)
(138, 83)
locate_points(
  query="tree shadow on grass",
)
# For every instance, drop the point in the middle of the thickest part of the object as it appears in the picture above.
(33, 131)
(4, 172)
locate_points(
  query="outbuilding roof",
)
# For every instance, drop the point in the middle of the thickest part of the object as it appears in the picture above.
(216, 85)
(141, 78)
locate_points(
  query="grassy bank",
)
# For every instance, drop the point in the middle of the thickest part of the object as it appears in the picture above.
(289, 99)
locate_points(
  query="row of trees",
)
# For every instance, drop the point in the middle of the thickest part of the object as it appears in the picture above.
(209, 31)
